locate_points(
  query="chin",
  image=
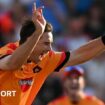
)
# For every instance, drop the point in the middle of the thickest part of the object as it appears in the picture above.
(75, 102)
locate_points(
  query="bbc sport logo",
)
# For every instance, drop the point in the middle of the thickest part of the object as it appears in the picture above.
(8, 93)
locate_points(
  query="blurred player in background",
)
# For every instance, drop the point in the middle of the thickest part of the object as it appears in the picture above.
(73, 82)
(24, 69)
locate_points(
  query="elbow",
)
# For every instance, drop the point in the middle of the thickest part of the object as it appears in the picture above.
(8, 63)
(11, 66)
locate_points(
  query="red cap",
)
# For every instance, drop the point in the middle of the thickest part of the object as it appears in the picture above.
(73, 70)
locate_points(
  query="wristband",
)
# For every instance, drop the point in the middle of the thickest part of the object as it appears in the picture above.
(103, 39)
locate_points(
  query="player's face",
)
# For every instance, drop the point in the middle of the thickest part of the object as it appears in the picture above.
(74, 84)
(44, 44)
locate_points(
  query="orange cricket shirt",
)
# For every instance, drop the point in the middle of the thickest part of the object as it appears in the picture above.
(28, 80)
(88, 100)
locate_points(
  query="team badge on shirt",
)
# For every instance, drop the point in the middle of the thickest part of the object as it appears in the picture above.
(25, 84)
(37, 69)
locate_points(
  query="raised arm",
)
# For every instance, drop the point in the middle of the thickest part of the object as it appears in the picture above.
(87, 52)
(20, 55)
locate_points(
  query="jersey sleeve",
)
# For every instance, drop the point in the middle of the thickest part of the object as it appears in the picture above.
(63, 60)
(57, 60)
(97, 101)
(94, 100)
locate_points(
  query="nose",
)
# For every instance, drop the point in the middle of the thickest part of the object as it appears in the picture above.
(75, 81)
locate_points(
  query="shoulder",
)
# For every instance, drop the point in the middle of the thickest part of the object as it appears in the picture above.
(95, 100)
(57, 101)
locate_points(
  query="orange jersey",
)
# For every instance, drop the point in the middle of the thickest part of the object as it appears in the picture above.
(88, 100)
(22, 85)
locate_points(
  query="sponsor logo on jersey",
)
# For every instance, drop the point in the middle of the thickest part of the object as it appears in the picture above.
(25, 84)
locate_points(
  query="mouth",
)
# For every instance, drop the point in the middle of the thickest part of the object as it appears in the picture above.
(42, 55)
(74, 87)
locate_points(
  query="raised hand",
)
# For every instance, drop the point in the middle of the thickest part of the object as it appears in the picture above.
(38, 19)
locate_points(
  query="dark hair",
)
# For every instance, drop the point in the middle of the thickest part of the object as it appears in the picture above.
(28, 28)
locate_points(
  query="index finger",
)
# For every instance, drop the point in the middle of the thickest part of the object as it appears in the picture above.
(34, 6)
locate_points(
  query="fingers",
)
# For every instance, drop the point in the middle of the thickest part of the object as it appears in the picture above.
(38, 12)
(37, 15)
(39, 9)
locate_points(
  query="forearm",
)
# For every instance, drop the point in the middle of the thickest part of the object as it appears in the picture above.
(23, 52)
(87, 52)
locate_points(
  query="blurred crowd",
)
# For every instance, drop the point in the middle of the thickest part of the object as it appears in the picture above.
(75, 22)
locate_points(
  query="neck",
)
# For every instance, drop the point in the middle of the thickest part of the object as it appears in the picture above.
(76, 97)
